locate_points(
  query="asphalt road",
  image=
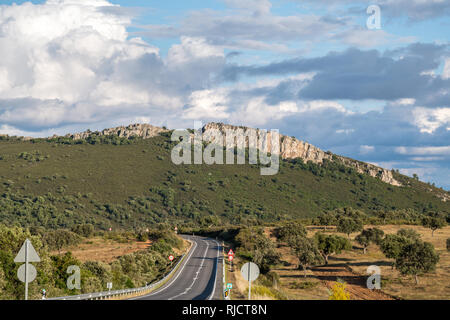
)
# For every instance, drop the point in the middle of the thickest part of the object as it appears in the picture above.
(199, 277)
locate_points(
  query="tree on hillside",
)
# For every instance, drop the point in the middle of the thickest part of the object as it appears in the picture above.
(253, 244)
(368, 236)
(348, 225)
(392, 245)
(290, 229)
(434, 221)
(385, 215)
(417, 258)
(327, 219)
(2, 283)
(349, 213)
(84, 230)
(409, 233)
(331, 244)
(58, 239)
(306, 251)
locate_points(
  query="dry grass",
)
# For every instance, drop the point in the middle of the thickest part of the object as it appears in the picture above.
(99, 249)
(352, 266)
(431, 286)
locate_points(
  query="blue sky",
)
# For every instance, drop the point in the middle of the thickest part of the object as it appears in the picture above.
(310, 68)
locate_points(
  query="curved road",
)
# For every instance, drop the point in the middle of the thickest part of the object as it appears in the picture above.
(199, 277)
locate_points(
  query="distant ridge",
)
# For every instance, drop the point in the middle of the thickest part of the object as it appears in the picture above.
(290, 148)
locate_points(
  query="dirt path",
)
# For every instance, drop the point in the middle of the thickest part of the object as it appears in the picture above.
(356, 284)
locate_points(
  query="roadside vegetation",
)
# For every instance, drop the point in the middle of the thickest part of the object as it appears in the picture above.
(130, 270)
(327, 262)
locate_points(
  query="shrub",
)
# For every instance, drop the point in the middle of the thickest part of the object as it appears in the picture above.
(417, 258)
(339, 292)
(368, 236)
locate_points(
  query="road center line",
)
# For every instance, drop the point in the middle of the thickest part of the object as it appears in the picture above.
(176, 277)
(196, 277)
(215, 276)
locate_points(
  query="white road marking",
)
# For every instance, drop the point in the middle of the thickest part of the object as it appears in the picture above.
(195, 279)
(173, 279)
(215, 276)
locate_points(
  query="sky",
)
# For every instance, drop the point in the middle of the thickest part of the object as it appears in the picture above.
(323, 71)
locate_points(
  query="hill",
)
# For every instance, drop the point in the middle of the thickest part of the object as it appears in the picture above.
(121, 180)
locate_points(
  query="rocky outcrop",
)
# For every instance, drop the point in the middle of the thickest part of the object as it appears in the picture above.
(384, 175)
(292, 148)
(144, 131)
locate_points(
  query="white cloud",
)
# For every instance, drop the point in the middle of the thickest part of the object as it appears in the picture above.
(322, 105)
(258, 7)
(191, 49)
(364, 149)
(406, 101)
(446, 71)
(73, 61)
(429, 120)
(442, 150)
(207, 104)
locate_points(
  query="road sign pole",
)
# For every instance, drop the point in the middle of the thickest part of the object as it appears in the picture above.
(249, 284)
(27, 272)
(26, 269)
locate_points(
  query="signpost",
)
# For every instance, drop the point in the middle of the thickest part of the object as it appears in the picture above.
(250, 272)
(109, 286)
(27, 272)
(171, 259)
(230, 258)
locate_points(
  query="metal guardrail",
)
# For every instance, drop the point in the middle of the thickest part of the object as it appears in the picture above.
(123, 292)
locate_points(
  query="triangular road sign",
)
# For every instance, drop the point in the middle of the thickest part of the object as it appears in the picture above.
(231, 253)
(32, 254)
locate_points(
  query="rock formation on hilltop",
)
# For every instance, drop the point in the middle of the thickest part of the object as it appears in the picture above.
(144, 131)
(290, 147)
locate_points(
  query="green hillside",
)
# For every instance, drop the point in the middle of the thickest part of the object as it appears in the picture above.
(115, 182)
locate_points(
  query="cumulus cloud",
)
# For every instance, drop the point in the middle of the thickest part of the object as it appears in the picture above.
(429, 120)
(258, 7)
(414, 10)
(364, 74)
(73, 61)
(250, 24)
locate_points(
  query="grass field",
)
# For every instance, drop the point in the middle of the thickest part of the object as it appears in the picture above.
(107, 250)
(99, 249)
(351, 266)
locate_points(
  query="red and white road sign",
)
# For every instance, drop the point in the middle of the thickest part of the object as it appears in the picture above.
(231, 253)
(171, 257)
(230, 258)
